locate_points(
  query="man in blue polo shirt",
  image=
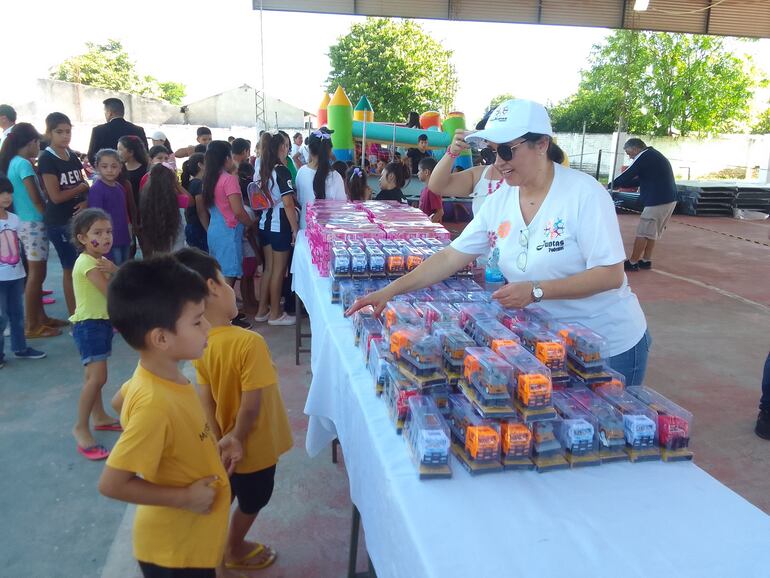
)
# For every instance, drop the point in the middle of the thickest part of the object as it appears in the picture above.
(652, 173)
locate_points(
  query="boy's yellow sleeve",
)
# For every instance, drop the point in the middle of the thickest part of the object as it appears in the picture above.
(140, 446)
(257, 369)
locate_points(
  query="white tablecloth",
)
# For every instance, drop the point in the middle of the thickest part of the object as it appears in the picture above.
(629, 520)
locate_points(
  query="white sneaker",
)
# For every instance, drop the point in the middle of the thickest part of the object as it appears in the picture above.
(283, 320)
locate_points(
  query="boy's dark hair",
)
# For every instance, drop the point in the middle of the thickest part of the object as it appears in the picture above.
(200, 148)
(202, 263)
(115, 106)
(8, 112)
(422, 138)
(82, 222)
(6, 186)
(157, 150)
(202, 130)
(427, 164)
(55, 119)
(246, 170)
(240, 146)
(399, 172)
(151, 294)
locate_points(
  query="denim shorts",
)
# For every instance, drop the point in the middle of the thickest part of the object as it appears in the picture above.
(94, 339)
(60, 239)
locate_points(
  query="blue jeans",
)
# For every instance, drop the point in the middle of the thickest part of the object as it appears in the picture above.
(633, 363)
(764, 401)
(12, 311)
(119, 255)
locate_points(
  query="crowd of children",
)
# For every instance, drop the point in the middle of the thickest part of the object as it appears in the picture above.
(120, 231)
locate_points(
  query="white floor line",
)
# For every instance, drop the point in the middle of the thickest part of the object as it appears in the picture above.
(120, 561)
(724, 292)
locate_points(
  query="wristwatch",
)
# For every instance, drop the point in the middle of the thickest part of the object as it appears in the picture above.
(537, 292)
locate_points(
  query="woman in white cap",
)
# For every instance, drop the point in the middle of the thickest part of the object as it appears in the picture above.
(159, 138)
(554, 232)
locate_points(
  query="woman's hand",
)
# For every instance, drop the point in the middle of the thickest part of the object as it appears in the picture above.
(515, 295)
(458, 142)
(378, 300)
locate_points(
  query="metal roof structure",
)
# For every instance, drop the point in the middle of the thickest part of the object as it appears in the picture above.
(750, 18)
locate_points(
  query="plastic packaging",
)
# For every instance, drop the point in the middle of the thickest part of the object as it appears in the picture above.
(479, 437)
(639, 420)
(609, 420)
(376, 260)
(674, 422)
(545, 345)
(584, 346)
(493, 334)
(394, 261)
(401, 313)
(416, 348)
(516, 439)
(530, 379)
(426, 432)
(489, 375)
(439, 313)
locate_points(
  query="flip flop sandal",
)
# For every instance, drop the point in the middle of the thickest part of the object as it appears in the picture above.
(242, 565)
(43, 331)
(114, 426)
(94, 453)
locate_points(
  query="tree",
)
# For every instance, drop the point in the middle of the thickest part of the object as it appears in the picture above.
(108, 66)
(396, 65)
(762, 125)
(659, 83)
(496, 100)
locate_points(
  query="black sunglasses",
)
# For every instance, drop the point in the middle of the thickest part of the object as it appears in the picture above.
(505, 151)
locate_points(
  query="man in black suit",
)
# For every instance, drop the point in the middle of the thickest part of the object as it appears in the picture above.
(105, 136)
(652, 173)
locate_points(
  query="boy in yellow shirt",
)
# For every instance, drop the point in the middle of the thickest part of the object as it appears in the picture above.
(167, 459)
(240, 394)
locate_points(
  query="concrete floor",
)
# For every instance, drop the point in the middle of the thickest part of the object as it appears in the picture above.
(708, 306)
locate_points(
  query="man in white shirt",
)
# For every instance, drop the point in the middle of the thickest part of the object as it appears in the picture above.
(7, 120)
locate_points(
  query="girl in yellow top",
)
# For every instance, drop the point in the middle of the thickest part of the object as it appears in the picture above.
(92, 235)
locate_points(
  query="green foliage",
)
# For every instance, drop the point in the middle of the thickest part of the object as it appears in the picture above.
(497, 100)
(659, 83)
(762, 125)
(397, 65)
(108, 66)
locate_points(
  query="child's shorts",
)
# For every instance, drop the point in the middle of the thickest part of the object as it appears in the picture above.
(253, 490)
(94, 339)
(155, 571)
(249, 267)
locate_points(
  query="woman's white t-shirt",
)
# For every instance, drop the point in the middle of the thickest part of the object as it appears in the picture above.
(335, 189)
(574, 230)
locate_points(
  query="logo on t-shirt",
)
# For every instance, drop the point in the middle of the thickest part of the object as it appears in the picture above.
(553, 232)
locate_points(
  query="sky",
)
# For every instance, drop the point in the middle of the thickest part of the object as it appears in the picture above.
(215, 46)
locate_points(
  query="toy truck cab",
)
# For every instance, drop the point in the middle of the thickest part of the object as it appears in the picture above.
(394, 261)
(578, 436)
(516, 439)
(482, 443)
(419, 351)
(427, 432)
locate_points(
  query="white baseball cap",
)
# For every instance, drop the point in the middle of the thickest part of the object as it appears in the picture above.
(512, 119)
(158, 135)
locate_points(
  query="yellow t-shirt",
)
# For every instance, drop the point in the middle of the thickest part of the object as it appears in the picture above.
(237, 360)
(167, 441)
(90, 303)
